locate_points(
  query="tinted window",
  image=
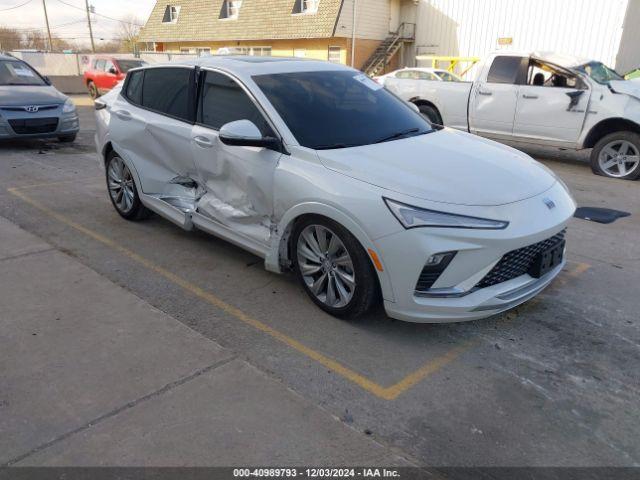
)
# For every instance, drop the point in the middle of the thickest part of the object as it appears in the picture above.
(126, 65)
(166, 90)
(134, 87)
(505, 70)
(223, 101)
(338, 109)
(18, 73)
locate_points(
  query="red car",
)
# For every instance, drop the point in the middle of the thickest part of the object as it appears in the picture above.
(105, 72)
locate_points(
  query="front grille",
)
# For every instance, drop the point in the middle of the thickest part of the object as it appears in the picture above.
(517, 262)
(34, 125)
(426, 280)
(21, 108)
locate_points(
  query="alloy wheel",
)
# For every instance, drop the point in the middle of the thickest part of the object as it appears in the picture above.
(619, 158)
(120, 183)
(326, 266)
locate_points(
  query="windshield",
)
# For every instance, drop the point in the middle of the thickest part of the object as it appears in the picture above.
(126, 65)
(599, 72)
(15, 72)
(339, 109)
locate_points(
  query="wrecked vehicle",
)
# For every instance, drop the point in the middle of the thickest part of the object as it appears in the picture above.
(543, 99)
(317, 168)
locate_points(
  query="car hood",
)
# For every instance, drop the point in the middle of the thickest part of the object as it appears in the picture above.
(30, 95)
(445, 166)
(627, 87)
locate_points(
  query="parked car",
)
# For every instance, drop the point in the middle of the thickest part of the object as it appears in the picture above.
(544, 99)
(315, 167)
(30, 107)
(420, 73)
(104, 73)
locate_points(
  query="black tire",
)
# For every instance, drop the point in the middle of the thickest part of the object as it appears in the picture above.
(366, 291)
(93, 90)
(67, 138)
(616, 138)
(137, 211)
(431, 113)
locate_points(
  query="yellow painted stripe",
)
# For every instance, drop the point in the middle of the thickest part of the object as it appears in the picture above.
(387, 393)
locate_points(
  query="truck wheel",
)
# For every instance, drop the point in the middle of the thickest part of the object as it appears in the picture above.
(93, 90)
(617, 155)
(431, 113)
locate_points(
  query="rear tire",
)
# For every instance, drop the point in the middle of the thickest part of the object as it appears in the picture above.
(123, 191)
(67, 138)
(617, 155)
(334, 269)
(431, 113)
(93, 90)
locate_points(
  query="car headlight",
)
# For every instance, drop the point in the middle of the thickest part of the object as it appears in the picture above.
(412, 217)
(68, 106)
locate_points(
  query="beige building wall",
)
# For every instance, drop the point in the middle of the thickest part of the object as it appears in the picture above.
(373, 19)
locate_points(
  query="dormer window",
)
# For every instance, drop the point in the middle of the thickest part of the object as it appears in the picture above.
(171, 14)
(308, 7)
(230, 9)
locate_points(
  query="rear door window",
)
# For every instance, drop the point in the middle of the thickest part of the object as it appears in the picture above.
(134, 87)
(100, 65)
(508, 69)
(168, 91)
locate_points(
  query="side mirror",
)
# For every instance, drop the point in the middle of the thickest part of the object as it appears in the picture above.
(113, 71)
(414, 107)
(244, 133)
(47, 80)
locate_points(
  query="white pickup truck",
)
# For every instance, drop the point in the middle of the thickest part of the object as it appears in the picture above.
(543, 99)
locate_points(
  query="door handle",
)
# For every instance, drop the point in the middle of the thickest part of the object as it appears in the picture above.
(123, 115)
(530, 97)
(204, 142)
(481, 92)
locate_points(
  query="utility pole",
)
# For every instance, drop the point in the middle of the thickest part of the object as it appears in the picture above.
(353, 33)
(46, 19)
(93, 45)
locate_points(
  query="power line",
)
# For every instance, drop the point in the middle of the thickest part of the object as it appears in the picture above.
(16, 6)
(101, 15)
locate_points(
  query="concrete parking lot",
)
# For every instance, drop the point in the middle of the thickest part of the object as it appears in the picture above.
(555, 382)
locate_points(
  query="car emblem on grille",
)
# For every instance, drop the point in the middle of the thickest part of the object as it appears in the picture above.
(549, 203)
(32, 108)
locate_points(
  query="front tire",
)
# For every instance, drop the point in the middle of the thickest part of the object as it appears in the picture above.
(67, 138)
(333, 268)
(617, 155)
(122, 190)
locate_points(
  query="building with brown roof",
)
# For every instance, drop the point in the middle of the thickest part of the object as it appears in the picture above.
(319, 29)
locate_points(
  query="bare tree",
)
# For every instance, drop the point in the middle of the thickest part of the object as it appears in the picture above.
(10, 39)
(128, 32)
(37, 40)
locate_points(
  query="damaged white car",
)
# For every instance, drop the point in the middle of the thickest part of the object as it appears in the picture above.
(541, 98)
(315, 167)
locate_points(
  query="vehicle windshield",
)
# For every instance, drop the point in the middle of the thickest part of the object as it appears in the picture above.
(15, 72)
(126, 65)
(339, 109)
(599, 72)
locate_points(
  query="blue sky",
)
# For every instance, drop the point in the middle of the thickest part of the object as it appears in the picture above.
(31, 16)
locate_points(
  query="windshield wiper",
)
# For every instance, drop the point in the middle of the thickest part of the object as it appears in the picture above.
(399, 135)
(332, 146)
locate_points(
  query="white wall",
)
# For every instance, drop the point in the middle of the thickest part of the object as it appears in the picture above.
(589, 28)
(372, 19)
(629, 53)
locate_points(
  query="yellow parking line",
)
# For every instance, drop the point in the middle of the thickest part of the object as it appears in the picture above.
(386, 393)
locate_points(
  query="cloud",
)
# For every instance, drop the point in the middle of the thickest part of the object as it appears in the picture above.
(71, 23)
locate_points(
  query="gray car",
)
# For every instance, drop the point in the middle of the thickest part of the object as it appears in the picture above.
(30, 107)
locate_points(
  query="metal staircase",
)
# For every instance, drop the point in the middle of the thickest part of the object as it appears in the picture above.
(388, 48)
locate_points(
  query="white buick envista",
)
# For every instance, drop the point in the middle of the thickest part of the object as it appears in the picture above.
(317, 168)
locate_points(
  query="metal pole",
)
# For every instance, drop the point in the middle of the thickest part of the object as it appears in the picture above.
(46, 19)
(93, 45)
(353, 33)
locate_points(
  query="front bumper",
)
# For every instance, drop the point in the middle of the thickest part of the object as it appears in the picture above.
(67, 124)
(478, 251)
